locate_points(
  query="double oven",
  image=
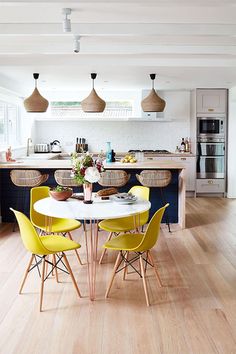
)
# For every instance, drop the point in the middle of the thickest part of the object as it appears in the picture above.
(211, 147)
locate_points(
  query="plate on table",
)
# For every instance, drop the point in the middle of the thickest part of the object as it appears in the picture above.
(124, 198)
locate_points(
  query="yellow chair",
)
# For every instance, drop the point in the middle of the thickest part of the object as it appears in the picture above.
(140, 244)
(57, 225)
(42, 247)
(115, 226)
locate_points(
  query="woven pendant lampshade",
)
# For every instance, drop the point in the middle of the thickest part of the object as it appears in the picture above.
(93, 103)
(153, 103)
(36, 103)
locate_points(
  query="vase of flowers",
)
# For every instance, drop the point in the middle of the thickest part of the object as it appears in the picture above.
(86, 171)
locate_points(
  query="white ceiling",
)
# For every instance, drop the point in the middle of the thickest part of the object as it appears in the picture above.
(187, 43)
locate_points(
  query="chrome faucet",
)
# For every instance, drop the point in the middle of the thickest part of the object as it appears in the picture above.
(29, 140)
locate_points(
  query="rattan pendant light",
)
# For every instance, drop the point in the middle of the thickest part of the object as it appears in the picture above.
(153, 103)
(93, 103)
(36, 103)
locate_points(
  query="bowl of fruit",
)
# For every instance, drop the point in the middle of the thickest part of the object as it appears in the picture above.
(61, 193)
(128, 159)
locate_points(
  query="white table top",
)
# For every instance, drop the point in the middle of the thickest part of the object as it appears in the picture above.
(99, 210)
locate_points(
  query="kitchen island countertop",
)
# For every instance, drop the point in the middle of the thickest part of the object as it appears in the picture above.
(49, 163)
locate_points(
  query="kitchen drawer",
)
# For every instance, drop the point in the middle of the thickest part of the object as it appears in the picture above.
(210, 186)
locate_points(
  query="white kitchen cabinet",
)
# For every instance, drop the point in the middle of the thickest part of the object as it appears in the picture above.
(213, 101)
(190, 170)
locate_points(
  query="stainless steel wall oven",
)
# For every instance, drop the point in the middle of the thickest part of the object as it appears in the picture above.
(211, 159)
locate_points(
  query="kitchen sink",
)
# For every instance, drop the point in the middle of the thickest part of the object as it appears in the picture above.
(61, 157)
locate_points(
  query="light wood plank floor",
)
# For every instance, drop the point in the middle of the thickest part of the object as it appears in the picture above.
(194, 313)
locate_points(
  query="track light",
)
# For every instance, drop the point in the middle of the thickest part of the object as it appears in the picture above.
(76, 44)
(66, 23)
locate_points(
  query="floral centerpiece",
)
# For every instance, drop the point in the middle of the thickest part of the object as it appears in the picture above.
(86, 171)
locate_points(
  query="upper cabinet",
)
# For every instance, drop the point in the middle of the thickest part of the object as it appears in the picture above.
(211, 101)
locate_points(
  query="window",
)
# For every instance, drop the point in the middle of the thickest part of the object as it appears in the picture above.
(9, 124)
(115, 109)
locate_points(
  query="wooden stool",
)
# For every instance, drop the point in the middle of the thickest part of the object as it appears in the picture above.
(26, 179)
(114, 178)
(159, 179)
(64, 179)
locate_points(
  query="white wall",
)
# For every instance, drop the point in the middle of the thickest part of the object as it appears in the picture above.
(232, 144)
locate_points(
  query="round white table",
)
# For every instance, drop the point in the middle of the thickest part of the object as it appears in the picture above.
(99, 210)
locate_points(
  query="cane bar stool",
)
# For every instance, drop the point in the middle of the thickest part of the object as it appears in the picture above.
(64, 179)
(157, 179)
(26, 179)
(114, 178)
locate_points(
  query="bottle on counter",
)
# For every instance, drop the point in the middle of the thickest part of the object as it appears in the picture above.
(113, 154)
(186, 145)
(189, 145)
(109, 152)
(177, 149)
(182, 145)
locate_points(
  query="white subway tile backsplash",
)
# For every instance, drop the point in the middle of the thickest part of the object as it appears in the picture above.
(123, 135)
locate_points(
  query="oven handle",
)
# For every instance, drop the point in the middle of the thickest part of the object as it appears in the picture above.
(211, 157)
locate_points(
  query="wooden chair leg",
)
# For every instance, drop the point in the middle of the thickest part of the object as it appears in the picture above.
(54, 263)
(26, 273)
(144, 280)
(155, 269)
(104, 251)
(42, 285)
(46, 265)
(71, 274)
(76, 252)
(126, 268)
(113, 274)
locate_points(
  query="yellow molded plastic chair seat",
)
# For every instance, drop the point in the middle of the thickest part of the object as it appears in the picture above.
(56, 243)
(118, 225)
(57, 225)
(128, 223)
(126, 242)
(41, 247)
(141, 245)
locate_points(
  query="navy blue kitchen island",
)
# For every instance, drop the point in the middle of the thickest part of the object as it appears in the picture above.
(174, 192)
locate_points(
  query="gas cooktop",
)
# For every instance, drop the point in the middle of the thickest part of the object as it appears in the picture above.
(151, 151)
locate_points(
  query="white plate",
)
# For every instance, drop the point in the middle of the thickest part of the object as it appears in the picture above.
(124, 198)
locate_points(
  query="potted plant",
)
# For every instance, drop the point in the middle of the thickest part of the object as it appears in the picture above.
(86, 171)
(61, 193)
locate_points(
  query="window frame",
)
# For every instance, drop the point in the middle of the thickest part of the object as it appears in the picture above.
(17, 139)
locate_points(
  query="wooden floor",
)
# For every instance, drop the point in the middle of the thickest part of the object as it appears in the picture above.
(195, 312)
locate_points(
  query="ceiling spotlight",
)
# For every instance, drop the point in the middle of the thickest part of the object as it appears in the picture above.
(76, 44)
(66, 23)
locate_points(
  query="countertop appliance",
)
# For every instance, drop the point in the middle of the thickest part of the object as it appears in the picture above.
(41, 148)
(55, 146)
(211, 127)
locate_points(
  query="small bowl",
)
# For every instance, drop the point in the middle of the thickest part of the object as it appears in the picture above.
(63, 195)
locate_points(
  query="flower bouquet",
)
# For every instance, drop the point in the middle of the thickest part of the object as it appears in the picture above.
(86, 171)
